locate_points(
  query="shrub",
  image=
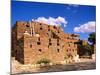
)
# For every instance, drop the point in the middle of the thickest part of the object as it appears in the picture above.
(44, 60)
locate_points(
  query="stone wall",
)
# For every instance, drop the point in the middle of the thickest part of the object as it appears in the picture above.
(36, 41)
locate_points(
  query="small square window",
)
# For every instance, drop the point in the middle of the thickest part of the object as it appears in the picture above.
(48, 29)
(40, 28)
(50, 43)
(68, 38)
(27, 26)
(48, 46)
(48, 26)
(39, 39)
(58, 50)
(54, 27)
(47, 34)
(57, 44)
(57, 40)
(67, 50)
(70, 42)
(40, 50)
(38, 43)
(49, 40)
(30, 45)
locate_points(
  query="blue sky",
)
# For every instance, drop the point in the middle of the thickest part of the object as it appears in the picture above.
(75, 15)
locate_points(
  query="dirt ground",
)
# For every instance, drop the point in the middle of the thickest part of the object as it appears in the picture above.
(84, 64)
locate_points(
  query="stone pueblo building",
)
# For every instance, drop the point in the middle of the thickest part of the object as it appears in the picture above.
(33, 41)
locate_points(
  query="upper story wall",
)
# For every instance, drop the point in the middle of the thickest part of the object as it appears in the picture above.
(43, 30)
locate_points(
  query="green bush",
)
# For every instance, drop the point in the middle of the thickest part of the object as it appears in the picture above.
(44, 60)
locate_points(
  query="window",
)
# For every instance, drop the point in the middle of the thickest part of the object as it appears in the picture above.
(48, 46)
(49, 40)
(48, 29)
(68, 38)
(57, 44)
(39, 39)
(30, 45)
(57, 40)
(54, 27)
(38, 43)
(40, 28)
(47, 34)
(58, 50)
(48, 26)
(40, 50)
(27, 25)
(70, 42)
(50, 43)
(69, 45)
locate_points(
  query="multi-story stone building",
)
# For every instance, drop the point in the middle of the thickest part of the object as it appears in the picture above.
(33, 41)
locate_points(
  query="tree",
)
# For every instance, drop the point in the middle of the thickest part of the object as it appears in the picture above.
(92, 38)
(85, 50)
(89, 49)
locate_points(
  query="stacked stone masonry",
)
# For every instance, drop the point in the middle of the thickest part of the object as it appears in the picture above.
(33, 41)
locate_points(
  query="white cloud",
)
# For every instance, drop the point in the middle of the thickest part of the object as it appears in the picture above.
(87, 27)
(53, 21)
(71, 6)
(74, 5)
